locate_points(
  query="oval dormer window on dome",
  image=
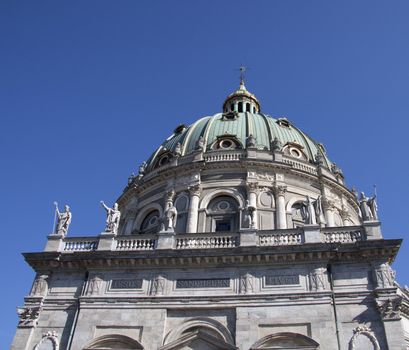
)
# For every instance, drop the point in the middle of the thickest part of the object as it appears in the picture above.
(284, 122)
(163, 159)
(295, 150)
(226, 142)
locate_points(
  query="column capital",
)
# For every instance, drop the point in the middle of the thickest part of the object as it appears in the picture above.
(195, 190)
(252, 186)
(327, 204)
(280, 190)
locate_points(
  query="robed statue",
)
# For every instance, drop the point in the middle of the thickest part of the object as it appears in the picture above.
(169, 217)
(249, 215)
(63, 220)
(368, 207)
(113, 217)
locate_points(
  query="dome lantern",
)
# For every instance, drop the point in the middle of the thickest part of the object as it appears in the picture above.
(241, 100)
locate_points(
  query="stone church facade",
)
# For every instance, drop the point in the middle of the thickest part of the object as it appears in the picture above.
(237, 233)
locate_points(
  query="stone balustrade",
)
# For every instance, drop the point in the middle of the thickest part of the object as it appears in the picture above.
(300, 165)
(145, 242)
(222, 156)
(203, 241)
(281, 237)
(80, 244)
(210, 240)
(344, 234)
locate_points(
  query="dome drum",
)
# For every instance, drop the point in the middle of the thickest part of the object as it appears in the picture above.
(271, 174)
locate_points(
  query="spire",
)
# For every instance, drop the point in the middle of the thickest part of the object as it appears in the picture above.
(242, 70)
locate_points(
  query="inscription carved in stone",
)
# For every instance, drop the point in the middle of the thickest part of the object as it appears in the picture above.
(282, 280)
(203, 283)
(126, 284)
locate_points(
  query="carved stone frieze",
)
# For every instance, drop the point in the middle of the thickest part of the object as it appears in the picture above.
(28, 316)
(187, 180)
(363, 330)
(265, 177)
(318, 279)
(40, 286)
(158, 286)
(94, 286)
(390, 309)
(385, 275)
(246, 285)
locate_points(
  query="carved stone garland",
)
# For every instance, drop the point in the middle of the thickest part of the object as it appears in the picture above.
(51, 336)
(366, 331)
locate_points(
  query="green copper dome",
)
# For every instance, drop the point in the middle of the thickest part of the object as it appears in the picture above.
(241, 119)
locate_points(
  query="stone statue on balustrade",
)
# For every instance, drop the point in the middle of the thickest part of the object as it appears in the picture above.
(63, 220)
(308, 212)
(251, 141)
(178, 150)
(249, 213)
(369, 208)
(319, 212)
(200, 145)
(142, 169)
(113, 217)
(319, 158)
(373, 206)
(276, 145)
(169, 217)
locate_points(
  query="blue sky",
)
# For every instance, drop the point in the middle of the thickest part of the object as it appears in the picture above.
(88, 89)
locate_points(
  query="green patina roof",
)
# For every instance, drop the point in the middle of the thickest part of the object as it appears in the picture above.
(263, 127)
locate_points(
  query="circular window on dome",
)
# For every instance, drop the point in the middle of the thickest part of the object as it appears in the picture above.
(295, 152)
(227, 144)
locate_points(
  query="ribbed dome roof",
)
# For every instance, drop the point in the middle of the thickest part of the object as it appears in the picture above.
(264, 129)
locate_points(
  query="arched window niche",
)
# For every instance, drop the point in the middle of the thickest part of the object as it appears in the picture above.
(298, 214)
(150, 223)
(286, 341)
(199, 333)
(108, 342)
(222, 214)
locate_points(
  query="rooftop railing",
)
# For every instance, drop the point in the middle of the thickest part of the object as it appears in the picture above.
(214, 240)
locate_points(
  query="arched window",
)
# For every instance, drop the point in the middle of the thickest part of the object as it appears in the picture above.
(299, 214)
(151, 222)
(240, 105)
(223, 215)
(247, 107)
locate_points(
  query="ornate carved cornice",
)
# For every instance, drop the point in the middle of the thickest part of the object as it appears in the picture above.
(359, 251)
